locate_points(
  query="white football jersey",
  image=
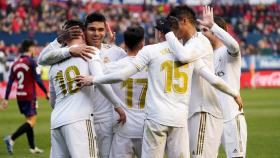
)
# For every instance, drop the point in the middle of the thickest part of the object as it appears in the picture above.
(203, 96)
(228, 67)
(168, 85)
(103, 108)
(71, 103)
(133, 93)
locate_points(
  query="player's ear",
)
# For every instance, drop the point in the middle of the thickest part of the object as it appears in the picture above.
(142, 43)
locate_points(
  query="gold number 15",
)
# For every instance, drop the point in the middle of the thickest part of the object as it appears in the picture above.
(172, 73)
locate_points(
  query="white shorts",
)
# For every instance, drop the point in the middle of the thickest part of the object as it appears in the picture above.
(123, 147)
(205, 132)
(234, 137)
(104, 135)
(75, 140)
(158, 139)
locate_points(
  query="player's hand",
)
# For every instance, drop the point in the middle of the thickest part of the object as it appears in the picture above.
(73, 32)
(207, 17)
(239, 101)
(122, 115)
(84, 81)
(83, 51)
(111, 35)
(163, 25)
(5, 104)
(48, 96)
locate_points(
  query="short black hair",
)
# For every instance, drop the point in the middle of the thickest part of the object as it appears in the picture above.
(183, 11)
(95, 17)
(71, 23)
(221, 22)
(25, 45)
(133, 36)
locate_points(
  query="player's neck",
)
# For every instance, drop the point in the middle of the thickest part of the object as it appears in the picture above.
(132, 52)
(189, 34)
(98, 45)
(74, 42)
(217, 45)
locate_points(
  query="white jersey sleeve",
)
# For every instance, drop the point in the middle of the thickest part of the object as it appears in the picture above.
(53, 53)
(139, 63)
(96, 68)
(211, 78)
(52, 93)
(187, 53)
(231, 44)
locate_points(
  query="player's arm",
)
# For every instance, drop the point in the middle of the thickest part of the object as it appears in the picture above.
(53, 53)
(208, 22)
(184, 54)
(8, 89)
(217, 82)
(96, 68)
(116, 77)
(137, 64)
(38, 79)
(52, 94)
(231, 44)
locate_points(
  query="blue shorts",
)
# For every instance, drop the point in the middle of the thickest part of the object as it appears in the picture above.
(28, 108)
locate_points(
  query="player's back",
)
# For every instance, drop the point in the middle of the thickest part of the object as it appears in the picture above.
(168, 87)
(72, 103)
(133, 93)
(203, 96)
(23, 72)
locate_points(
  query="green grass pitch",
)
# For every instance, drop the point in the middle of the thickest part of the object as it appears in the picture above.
(262, 109)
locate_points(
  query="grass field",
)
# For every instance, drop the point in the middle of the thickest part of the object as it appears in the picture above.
(262, 108)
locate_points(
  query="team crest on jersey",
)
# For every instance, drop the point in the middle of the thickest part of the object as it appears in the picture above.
(106, 60)
(220, 73)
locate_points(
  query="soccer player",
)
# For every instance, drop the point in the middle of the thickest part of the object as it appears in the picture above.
(72, 132)
(205, 114)
(127, 140)
(24, 72)
(227, 62)
(95, 30)
(168, 95)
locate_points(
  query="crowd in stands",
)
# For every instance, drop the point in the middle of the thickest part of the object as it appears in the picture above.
(256, 27)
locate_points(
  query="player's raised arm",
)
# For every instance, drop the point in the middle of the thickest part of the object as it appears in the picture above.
(209, 22)
(53, 53)
(184, 53)
(216, 81)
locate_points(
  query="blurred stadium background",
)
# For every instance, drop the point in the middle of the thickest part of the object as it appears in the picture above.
(254, 23)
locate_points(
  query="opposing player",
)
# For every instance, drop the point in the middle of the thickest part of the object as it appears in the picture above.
(167, 97)
(205, 114)
(127, 140)
(227, 62)
(24, 72)
(95, 29)
(72, 131)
